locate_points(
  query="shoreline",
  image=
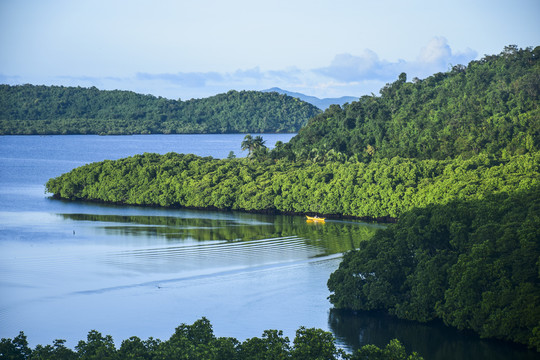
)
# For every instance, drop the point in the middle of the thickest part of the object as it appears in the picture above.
(380, 220)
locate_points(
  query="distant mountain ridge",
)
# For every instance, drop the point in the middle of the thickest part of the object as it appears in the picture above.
(322, 104)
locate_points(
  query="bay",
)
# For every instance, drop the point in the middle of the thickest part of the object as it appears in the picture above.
(69, 267)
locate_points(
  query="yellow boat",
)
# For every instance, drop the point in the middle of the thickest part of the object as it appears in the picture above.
(315, 218)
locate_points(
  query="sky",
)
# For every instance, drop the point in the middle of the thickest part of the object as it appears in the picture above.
(184, 49)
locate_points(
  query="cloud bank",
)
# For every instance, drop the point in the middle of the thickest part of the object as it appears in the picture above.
(436, 56)
(346, 75)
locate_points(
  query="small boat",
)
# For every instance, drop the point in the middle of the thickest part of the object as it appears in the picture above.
(315, 218)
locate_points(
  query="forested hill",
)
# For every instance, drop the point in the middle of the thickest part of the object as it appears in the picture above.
(29, 109)
(489, 106)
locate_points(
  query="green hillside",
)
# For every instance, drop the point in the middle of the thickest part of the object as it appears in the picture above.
(29, 109)
(455, 158)
(489, 106)
(387, 188)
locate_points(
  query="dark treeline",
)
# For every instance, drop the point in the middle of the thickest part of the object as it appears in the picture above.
(29, 109)
(490, 106)
(473, 264)
(384, 188)
(198, 342)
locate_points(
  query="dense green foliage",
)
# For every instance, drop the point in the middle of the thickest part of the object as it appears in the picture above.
(490, 106)
(474, 264)
(377, 189)
(198, 342)
(29, 109)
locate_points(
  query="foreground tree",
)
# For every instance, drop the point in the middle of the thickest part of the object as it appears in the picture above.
(96, 347)
(315, 344)
(16, 349)
(198, 342)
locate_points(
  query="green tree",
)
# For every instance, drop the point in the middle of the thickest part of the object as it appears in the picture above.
(16, 349)
(58, 351)
(136, 349)
(96, 347)
(247, 144)
(272, 346)
(258, 142)
(393, 351)
(314, 344)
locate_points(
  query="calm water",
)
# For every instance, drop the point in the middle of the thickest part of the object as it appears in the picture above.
(67, 268)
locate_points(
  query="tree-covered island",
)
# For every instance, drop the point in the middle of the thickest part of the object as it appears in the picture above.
(49, 110)
(454, 158)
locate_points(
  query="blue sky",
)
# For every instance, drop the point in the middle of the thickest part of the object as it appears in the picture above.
(193, 49)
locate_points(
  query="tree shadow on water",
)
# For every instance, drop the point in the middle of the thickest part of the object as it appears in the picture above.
(432, 340)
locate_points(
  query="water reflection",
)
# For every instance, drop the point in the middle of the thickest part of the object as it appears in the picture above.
(433, 341)
(330, 238)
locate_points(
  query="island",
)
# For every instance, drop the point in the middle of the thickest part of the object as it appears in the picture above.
(59, 110)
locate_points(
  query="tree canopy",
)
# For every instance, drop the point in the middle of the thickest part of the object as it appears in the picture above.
(474, 264)
(385, 188)
(29, 109)
(198, 342)
(490, 106)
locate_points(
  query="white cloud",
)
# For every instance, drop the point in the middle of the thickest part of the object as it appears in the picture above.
(435, 51)
(346, 75)
(367, 66)
(193, 79)
(254, 73)
(436, 56)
